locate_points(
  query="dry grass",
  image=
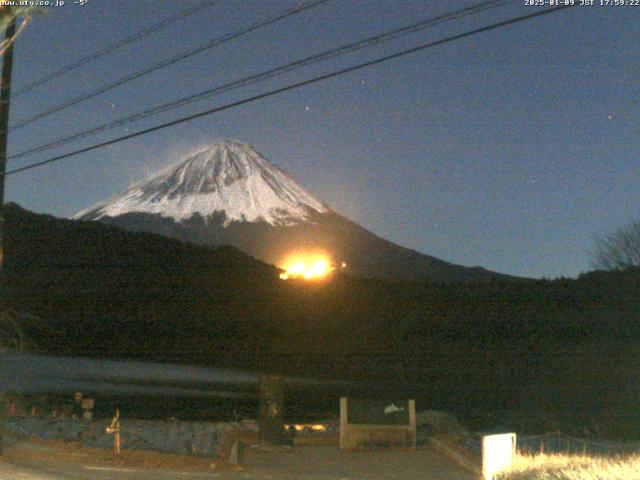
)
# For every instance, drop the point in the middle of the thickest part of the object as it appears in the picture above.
(574, 467)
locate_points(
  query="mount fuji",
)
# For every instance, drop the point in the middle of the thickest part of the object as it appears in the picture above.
(231, 194)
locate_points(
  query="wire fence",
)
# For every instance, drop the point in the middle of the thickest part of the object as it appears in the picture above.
(559, 442)
(554, 443)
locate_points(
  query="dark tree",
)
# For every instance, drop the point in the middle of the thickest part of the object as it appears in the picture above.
(618, 250)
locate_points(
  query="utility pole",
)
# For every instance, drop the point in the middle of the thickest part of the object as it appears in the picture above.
(5, 93)
(5, 90)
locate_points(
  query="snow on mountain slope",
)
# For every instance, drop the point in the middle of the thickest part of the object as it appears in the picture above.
(229, 177)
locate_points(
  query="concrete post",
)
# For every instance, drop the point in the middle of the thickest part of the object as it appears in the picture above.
(270, 425)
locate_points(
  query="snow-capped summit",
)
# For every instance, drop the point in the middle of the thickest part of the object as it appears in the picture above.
(229, 177)
(229, 194)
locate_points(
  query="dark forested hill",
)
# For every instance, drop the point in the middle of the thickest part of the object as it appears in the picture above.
(525, 355)
(107, 291)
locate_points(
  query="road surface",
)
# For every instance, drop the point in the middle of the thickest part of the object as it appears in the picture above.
(297, 463)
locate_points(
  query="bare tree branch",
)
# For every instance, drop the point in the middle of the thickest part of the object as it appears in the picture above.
(618, 250)
(12, 330)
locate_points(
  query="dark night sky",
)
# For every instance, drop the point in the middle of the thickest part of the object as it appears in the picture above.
(511, 149)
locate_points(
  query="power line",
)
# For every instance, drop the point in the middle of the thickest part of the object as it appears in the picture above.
(293, 86)
(126, 41)
(170, 61)
(268, 74)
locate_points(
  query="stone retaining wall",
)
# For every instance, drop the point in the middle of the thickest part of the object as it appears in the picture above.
(168, 436)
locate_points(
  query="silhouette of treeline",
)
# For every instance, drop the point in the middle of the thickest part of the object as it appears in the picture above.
(530, 356)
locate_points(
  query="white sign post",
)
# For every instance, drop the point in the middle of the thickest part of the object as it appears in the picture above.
(497, 454)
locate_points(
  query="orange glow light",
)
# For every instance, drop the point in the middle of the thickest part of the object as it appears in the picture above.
(308, 267)
(309, 427)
